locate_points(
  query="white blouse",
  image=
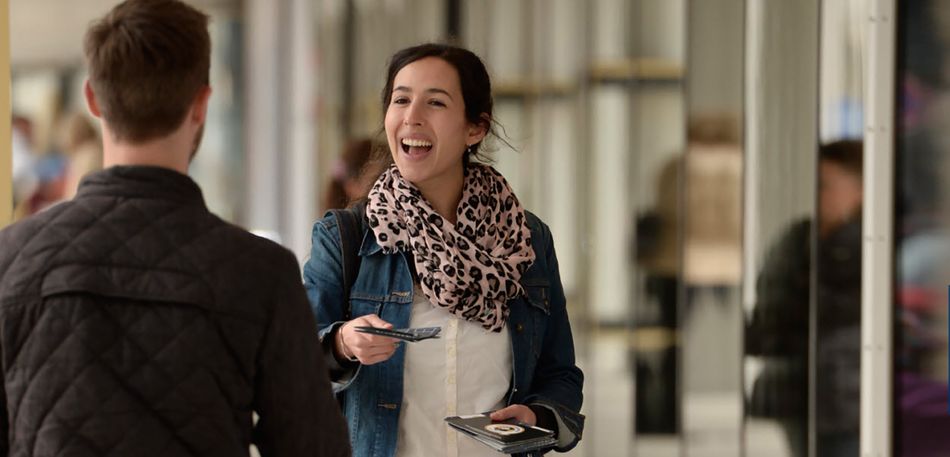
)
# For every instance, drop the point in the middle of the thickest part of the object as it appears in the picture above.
(465, 371)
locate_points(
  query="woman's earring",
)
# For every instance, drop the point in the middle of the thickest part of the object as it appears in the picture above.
(468, 149)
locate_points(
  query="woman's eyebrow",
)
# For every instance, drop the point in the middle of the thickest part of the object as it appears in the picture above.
(435, 90)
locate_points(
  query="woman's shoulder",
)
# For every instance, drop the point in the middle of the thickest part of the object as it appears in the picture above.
(540, 232)
(328, 225)
(534, 222)
(345, 227)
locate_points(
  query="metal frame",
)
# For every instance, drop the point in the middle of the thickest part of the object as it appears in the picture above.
(877, 313)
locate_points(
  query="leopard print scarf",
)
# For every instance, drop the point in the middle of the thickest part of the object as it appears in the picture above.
(471, 269)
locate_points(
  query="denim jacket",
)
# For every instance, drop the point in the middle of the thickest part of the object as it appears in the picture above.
(544, 372)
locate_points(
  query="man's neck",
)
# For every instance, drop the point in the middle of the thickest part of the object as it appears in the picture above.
(167, 152)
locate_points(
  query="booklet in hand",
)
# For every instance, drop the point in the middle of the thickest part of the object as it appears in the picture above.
(405, 334)
(508, 436)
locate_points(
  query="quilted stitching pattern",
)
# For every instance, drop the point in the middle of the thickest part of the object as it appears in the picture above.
(122, 327)
(87, 364)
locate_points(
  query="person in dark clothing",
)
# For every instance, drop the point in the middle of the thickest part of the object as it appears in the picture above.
(132, 320)
(779, 329)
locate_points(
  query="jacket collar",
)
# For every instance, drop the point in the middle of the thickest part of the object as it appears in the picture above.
(141, 181)
(369, 245)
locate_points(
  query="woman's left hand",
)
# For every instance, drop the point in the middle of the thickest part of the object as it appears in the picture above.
(520, 412)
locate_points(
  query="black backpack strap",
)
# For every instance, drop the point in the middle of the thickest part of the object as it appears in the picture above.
(350, 221)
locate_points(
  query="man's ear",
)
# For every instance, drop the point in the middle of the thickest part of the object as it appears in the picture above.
(199, 109)
(91, 102)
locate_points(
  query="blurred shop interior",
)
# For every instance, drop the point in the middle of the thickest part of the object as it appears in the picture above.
(703, 165)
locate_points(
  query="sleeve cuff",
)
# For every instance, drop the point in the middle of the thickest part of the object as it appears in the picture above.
(564, 435)
(544, 417)
(341, 371)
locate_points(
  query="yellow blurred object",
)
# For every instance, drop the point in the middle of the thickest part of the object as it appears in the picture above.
(6, 153)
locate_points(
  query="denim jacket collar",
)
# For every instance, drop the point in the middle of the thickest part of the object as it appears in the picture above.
(369, 245)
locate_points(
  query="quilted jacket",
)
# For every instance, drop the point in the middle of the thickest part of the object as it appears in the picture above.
(133, 322)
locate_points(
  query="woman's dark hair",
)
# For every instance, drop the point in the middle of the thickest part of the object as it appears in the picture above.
(473, 77)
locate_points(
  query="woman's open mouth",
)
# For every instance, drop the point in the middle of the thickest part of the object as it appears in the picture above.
(414, 146)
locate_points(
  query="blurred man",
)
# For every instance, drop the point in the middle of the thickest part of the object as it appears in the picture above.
(780, 328)
(132, 320)
(25, 179)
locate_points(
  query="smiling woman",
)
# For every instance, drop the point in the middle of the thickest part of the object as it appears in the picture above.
(445, 243)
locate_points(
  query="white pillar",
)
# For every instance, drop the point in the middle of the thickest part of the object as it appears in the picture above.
(877, 313)
(262, 124)
(302, 184)
(281, 180)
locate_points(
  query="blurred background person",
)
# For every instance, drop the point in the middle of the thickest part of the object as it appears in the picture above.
(709, 263)
(25, 179)
(779, 327)
(352, 175)
(79, 143)
(44, 174)
(840, 197)
(51, 170)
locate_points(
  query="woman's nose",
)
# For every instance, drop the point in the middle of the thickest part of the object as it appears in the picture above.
(413, 115)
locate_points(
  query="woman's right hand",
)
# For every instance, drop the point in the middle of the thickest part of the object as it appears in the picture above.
(367, 348)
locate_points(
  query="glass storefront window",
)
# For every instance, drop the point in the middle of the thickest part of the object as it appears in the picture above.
(922, 245)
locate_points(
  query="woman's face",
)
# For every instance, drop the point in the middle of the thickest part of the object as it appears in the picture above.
(426, 126)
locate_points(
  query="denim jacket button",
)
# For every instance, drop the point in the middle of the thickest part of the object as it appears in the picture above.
(519, 328)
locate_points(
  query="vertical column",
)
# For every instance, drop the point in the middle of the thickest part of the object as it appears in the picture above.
(877, 313)
(281, 179)
(780, 181)
(300, 187)
(262, 116)
(710, 316)
(6, 153)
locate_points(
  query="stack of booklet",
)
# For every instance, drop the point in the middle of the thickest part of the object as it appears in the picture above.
(406, 334)
(508, 436)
